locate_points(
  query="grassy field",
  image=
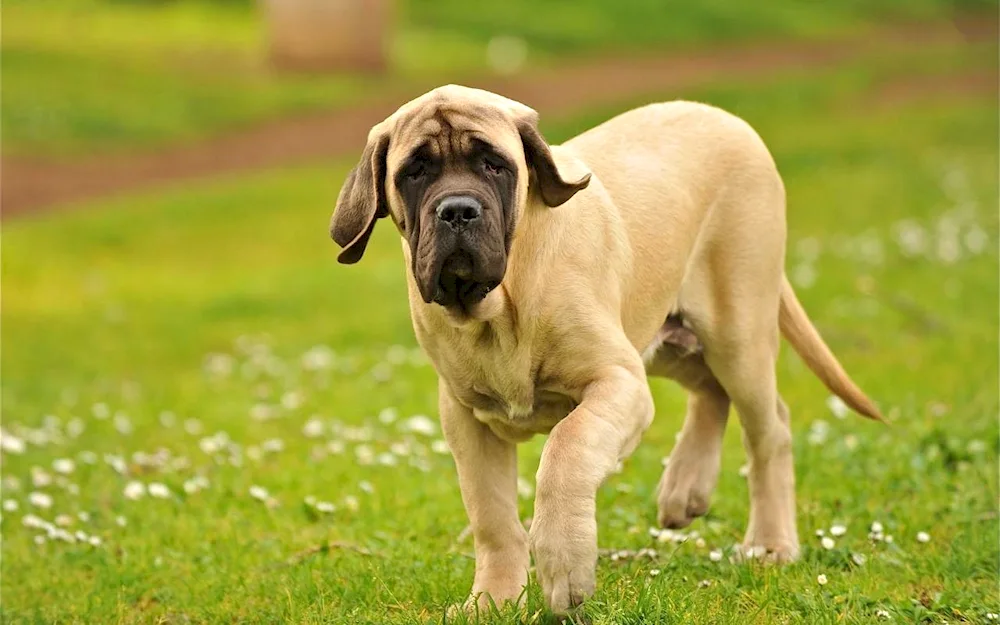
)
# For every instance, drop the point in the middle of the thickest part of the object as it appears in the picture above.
(86, 75)
(192, 382)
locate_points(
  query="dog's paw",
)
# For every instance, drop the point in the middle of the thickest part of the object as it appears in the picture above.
(768, 551)
(565, 561)
(686, 488)
(480, 605)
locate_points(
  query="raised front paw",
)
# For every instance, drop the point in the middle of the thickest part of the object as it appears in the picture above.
(565, 553)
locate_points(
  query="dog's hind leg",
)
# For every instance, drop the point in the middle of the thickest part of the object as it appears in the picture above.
(692, 469)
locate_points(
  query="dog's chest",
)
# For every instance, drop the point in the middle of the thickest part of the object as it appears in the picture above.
(506, 391)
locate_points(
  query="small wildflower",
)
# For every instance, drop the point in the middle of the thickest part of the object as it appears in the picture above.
(64, 520)
(837, 406)
(335, 447)
(858, 558)
(81, 536)
(121, 521)
(923, 537)
(159, 490)
(64, 466)
(388, 415)
(992, 616)
(821, 579)
(40, 500)
(715, 555)
(325, 507)
(705, 583)
(83, 516)
(838, 530)
(524, 488)
(882, 613)
(654, 572)
(387, 459)
(135, 490)
(10, 505)
(828, 543)
(351, 503)
(420, 424)
(700, 543)
(11, 444)
(40, 478)
(876, 527)
(440, 447)
(39, 540)
(366, 486)
(820, 533)
(744, 470)
(888, 538)
(95, 541)
(259, 493)
(313, 428)
(100, 411)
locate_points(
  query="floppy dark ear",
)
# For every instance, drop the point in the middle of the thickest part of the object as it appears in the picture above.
(361, 201)
(551, 185)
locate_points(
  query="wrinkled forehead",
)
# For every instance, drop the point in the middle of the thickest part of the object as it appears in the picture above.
(445, 126)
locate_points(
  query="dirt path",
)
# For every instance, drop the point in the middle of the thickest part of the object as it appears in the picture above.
(30, 185)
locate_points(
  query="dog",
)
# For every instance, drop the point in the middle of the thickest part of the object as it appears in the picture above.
(547, 282)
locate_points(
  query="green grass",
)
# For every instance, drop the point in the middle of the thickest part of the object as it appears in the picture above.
(95, 75)
(120, 303)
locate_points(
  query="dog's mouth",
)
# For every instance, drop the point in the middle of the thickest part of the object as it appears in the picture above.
(458, 286)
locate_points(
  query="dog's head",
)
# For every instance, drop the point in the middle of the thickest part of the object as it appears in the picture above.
(453, 169)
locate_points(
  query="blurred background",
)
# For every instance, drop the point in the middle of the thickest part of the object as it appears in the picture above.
(173, 312)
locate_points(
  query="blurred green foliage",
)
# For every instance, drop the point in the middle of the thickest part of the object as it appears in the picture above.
(85, 75)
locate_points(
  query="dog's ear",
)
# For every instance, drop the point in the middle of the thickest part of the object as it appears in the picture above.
(362, 199)
(551, 185)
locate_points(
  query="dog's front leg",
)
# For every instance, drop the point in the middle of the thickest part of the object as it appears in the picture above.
(487, 476)
(582, 450)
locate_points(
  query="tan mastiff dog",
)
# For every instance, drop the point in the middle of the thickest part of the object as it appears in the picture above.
(546, 283)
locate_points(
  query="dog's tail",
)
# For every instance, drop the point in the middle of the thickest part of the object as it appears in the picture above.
(802, 334)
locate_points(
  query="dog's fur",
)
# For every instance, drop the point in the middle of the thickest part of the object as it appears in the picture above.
(652, 244)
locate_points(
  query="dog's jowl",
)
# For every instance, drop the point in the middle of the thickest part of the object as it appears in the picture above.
(547, 282)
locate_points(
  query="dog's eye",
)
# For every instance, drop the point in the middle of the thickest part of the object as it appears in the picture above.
(492, 166)
(415, 170)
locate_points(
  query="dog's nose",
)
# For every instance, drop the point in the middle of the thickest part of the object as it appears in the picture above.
(459, 211)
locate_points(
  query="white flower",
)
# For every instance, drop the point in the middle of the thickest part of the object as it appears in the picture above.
(40, 500)
(313, 428)
(923, 537)
(838, 530)
(366, 486)
(877, 527)
(159, 490)
(700, 543)
(11, 444)
(325, 507)
(365, 454)
(259, 493)
(820, 533)
(882, 613)
(64, 520)
(273, 445)
(525, 488)
(95, 541)
(828, 543)
(40, 478)
(192, 426)
(858, 558)
(39, 540)
(135, 490)
(440, 447)
(388, 415)
(387, 459)
(81, 536)
(420, 424)
(837, 406)
(83, 516)
(351, 503)
(744, 470)
(335, 447)
(101, 411)
(992, 616)
(120, 521)
(10, 505)
(888, 538)
(291, 400)
(705, 583)
(821, 579)
(715, 555)
(654, 572)
(64, 466)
